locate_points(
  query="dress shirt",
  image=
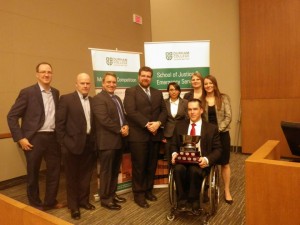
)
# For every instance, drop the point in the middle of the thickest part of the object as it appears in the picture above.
(174, 107)
(49, 108)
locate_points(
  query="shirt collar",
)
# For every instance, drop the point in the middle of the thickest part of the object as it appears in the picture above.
(42, 88)
(175, 103)
(81, 96)
(198, 123)
(148, 88)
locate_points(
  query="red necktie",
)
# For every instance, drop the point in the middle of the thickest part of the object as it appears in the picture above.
(193, 130)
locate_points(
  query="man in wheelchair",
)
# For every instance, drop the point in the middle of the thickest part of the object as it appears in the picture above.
(188, 176)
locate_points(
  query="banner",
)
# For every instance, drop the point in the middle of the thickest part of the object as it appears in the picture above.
(124, 64)
(176, 62)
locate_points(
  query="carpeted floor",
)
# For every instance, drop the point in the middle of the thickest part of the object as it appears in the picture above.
(157, 213)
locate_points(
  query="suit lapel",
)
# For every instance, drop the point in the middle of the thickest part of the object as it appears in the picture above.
(78, 105)
(39, 96)
(186, 127)
(203, 134)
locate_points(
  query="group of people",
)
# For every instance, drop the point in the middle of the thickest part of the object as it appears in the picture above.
(205, 112)
(77, 128)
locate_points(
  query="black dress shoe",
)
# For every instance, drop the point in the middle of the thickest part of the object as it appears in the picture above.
(111, 206)
(151, 197)
(75, 214)
(118, 199)
(196, 208)
(229, 201)
(142, 203)
(88, 206)
(181, 206)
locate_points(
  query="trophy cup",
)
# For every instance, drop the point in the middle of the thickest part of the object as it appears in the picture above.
(188, 152)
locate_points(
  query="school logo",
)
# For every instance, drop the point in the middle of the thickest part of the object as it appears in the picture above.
(169, 55)
(109, 61)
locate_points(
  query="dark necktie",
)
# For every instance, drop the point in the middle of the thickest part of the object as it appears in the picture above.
(193, 130)
(120, 112)
(148, 93)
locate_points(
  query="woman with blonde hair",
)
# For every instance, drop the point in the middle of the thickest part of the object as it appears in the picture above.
(218, 111)
(196, 81)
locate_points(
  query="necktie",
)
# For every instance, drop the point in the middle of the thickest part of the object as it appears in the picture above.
(120, 112)
(193, 130)
(148, 93)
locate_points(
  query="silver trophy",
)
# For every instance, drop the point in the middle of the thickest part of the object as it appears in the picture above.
(189, 152)
(189, 143)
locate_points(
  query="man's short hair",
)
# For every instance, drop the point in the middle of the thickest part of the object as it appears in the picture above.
(108, 74)
(196, 100)
(42, 63)
(147, 69)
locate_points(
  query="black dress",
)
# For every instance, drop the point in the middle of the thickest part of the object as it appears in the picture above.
(224, 136)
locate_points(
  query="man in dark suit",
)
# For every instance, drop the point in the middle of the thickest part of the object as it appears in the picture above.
(111, 129)
(146, 113)
(188, 177)
(74, 126)
(36, 106)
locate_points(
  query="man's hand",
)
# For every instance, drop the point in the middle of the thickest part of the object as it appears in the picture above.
(125, 130)
(202, 162)
(153, 126)
(174, 156)
(25, 145)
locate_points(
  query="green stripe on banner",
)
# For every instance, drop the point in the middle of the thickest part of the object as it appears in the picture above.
(124, 185)
(162, 77)
(125, 79)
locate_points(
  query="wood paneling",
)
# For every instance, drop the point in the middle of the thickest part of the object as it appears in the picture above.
(261, 121)
(272, 196)
(270, 56)
(13, 212)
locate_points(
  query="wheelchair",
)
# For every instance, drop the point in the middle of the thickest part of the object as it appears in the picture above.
(209, 194)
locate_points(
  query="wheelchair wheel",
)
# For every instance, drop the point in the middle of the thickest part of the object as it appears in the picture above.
(170, 217)
(210, 191)
(172, 190)
(214, 190)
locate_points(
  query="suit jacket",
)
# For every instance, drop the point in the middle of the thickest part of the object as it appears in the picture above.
(29, 107)
(189, 95)
(108, 125)
(224, 115)
(70, 123)
(140, 110)
(171, 121)
(210, 140)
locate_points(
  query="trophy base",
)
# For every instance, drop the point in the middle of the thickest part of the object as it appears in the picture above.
(185, 157)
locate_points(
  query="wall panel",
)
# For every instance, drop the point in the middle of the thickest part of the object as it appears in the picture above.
(270, 56)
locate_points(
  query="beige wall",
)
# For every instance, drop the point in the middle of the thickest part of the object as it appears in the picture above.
(214, 20)
(62, 31)
(59, 32)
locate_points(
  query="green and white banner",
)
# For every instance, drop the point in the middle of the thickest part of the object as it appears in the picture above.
(124, 64)
(176, 61)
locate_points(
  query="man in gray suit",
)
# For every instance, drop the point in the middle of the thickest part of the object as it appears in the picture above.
(111, 129)
(146, 113)
(75, 132)
(36, 106)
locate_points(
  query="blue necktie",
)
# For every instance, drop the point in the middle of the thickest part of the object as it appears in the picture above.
(121, 114)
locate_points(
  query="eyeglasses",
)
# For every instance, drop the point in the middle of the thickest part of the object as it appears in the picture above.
(45, 72)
